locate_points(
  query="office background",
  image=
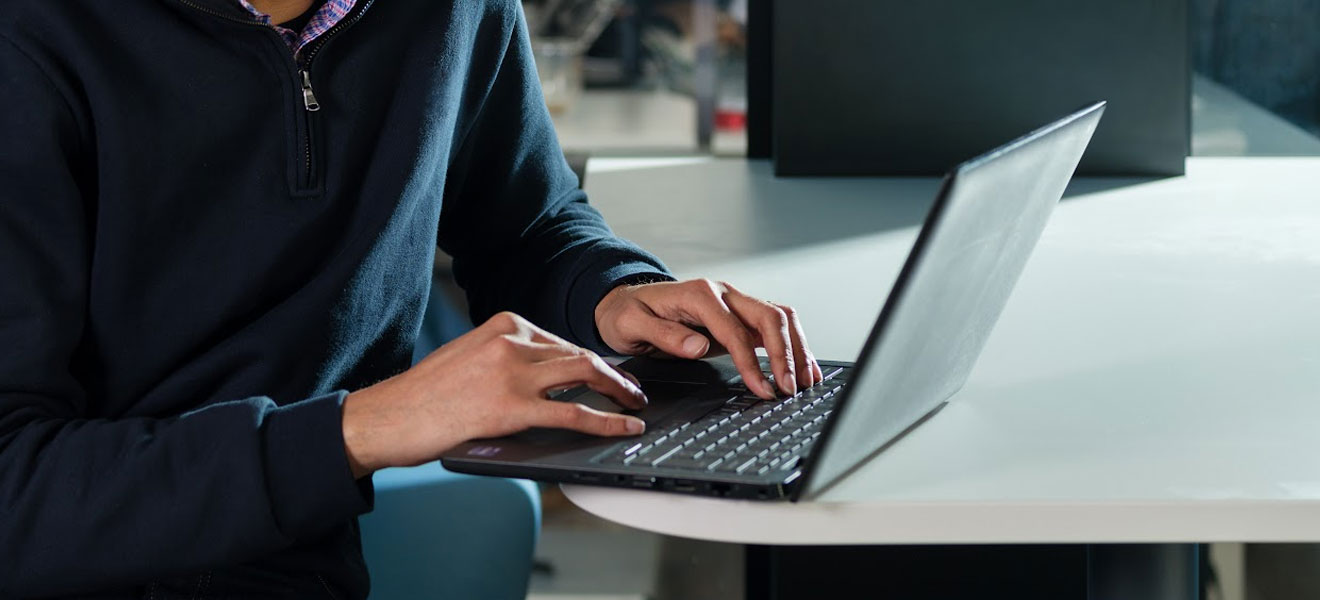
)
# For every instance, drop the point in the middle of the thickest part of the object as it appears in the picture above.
(646, 78)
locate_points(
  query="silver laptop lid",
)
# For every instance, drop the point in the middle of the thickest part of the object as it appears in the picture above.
(956, 281)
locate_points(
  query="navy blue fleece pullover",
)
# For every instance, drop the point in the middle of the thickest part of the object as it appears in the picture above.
(194, 269)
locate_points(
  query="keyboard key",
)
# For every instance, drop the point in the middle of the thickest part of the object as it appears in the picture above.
(745, 465)
(663, 457)
(684, 463)
(759, 410)
(687, 451)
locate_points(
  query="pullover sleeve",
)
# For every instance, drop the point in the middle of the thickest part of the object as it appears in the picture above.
(88, 503)
(521, 232)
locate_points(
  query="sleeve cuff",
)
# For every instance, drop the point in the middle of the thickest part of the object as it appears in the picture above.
(311, 484)
(592, 286)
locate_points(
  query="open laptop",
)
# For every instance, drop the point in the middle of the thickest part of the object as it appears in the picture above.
(708, 435)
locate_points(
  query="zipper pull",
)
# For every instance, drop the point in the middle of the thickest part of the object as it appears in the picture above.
(309, 97)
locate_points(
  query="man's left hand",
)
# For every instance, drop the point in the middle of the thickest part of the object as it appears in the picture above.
(699, 318)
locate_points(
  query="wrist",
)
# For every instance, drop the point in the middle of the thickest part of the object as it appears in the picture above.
(362, 434)
(398, 422)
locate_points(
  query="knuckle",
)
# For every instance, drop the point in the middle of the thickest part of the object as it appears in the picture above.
(586, 364)
(504, 320)
(503, 345)
(789, 312)
(707, 288)
(577, 416)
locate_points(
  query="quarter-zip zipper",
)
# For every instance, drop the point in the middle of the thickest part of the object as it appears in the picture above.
(343, 24)
(305, 72)
(309, 96)
(302, 68)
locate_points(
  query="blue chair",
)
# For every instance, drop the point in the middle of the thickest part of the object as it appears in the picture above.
(436, 534)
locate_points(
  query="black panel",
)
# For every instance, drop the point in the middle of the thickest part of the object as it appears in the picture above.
(897, 87)
(759, 71)
(940, 572)
(1027, 572)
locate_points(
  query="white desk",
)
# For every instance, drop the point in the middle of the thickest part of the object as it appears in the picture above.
(1155, 377)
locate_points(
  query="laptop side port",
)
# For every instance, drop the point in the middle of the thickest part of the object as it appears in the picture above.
(640, 481)
(684, 485)
(587, 477)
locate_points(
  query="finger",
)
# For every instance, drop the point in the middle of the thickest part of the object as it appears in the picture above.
(642, 328)
(707, 304)
(574, 416)
(629, 376)
(534, 351)
(808, 372)
(771, 324)
(590, 370)
(511, 324)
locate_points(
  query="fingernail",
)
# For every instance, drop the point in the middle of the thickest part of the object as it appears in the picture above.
(792, 384)
(635, 426)
(767, 388)
(695, 346)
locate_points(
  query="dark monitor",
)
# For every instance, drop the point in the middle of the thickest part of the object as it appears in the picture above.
(897, 87)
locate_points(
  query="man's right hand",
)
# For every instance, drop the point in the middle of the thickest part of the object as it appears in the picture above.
(490, 382)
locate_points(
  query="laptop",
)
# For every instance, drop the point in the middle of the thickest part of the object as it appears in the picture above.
(708, 435)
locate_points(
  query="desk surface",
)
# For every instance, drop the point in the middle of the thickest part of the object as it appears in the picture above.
(1155, 376)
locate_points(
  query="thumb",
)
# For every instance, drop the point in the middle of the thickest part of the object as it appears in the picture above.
(672, 338)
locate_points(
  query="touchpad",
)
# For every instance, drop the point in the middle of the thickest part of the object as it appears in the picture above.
(709, 371)
(666, 398)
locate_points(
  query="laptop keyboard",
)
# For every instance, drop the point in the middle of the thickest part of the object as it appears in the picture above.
(747, 435)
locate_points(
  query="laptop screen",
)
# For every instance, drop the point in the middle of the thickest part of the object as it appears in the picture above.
(955, 283)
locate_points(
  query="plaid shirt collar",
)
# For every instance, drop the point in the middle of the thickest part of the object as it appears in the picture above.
(331, 13)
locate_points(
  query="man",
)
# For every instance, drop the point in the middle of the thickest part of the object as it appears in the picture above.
(215, 243)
